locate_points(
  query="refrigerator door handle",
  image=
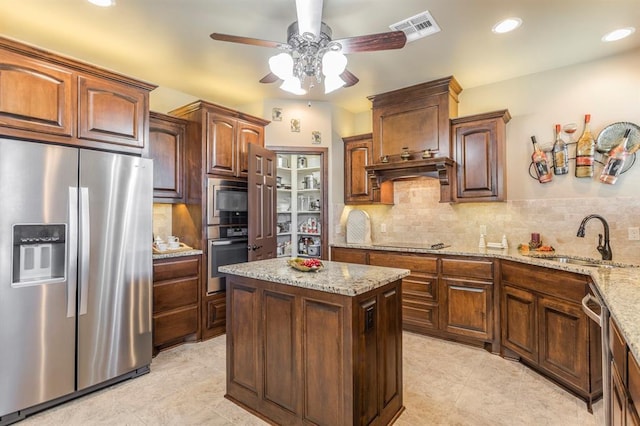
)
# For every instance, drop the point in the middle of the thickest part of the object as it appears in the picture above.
(72, 262)
(84, 249)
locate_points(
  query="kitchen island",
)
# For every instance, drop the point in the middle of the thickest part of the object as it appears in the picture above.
(315, 347)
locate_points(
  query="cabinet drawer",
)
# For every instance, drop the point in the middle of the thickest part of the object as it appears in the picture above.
(618, 349)
(339, 254)
(413, 262)
(468, 268)
(553, 282)
(175, 325)
(176, 268)
(418, 315)
(634, 380)
(420, 285)
(174, 294)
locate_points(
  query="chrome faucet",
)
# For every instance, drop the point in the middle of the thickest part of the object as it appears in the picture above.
(605, 250)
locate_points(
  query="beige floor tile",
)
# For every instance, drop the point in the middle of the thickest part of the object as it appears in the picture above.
(445, 383)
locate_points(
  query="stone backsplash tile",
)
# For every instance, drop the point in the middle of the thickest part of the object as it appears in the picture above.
(418, 217)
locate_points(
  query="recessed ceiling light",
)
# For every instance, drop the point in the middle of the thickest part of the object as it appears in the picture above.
(618, 34)
(506, 25)
(103, 3)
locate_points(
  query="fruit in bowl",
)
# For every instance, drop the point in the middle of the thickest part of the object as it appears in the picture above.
(305, 265)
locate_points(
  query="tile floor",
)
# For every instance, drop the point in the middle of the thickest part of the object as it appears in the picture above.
(445, 383)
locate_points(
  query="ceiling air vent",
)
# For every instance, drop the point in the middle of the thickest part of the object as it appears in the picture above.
(418, 26)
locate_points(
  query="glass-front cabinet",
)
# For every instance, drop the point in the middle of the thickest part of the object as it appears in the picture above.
(302, 218)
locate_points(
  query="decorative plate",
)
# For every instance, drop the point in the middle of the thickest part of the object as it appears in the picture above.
(612, 135)
(298, 263)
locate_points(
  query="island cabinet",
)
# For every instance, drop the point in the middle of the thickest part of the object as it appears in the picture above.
(419, 289)
(624, 399)
(166, 149)
(479, 150)
(467, 297)
(543, 324)
(52, 98)
(360, 187)
(301, 356)
(176, 287)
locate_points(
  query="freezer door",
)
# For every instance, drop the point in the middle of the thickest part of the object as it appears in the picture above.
(37, 319)
(115, 265)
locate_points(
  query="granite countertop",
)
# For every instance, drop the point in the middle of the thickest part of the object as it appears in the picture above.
(181, 253)
(335, 277)
(618, 286)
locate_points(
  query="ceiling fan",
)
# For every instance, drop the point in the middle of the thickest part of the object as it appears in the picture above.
(310, 54)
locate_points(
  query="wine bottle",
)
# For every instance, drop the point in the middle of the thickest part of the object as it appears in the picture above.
(585, 150)
(560, 155)
(539, 159)
(617, 157)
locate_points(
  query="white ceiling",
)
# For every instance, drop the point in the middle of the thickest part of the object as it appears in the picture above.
(166, 42)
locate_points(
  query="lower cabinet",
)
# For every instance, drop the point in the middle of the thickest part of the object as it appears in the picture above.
(624, 400)
(466, 306)
(214, 315)
(176, 286)
(419, 290)
(544, 325)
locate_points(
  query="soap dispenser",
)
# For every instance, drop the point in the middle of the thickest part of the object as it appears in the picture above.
(482, 243)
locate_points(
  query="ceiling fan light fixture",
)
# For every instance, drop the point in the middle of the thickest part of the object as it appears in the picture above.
(507, 25)
(292, 85)
(281, 65)
(333, 63)
(332, 83)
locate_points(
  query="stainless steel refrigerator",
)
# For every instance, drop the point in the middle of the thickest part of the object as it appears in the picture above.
(75, 272)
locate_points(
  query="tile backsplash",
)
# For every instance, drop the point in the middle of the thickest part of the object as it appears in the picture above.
(418, 217)
(162, 220)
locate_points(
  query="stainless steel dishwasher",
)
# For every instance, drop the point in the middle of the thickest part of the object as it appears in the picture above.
(602, 320)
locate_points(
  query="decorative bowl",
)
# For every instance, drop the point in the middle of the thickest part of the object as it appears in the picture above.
(298, 263)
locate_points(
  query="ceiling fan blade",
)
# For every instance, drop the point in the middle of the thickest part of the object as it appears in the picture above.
(247, 40)
(309, 14)
(269, 78)
(368, 43)
(349, 78)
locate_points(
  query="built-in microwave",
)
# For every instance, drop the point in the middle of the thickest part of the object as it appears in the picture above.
(227, 202)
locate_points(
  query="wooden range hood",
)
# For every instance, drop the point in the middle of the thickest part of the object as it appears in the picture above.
(442, 168)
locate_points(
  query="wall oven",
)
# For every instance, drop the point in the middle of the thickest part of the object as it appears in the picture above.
(227, 228)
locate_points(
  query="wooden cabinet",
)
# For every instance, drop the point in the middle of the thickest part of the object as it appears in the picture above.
(112, 112)
(301, 356)
(360, 187)
(51, 98)
(340, 254)
(466, 306)
(624, 400)
(415, 118)
(419, 290)
(214, 315)
(227, 140)
(36, 97)
(166, 149)
(479, 149)
(543, 323)
(176, 289)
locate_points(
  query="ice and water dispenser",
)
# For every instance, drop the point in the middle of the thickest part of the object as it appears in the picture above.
(38, 254)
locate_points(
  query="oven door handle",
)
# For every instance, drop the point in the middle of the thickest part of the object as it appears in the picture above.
(221, 243)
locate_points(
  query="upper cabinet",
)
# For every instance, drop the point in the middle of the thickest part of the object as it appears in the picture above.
(166, 148)
(112, 112)
(51, 98)
(414, 119)
(360, 187)
(479, 150)
(225, 135)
